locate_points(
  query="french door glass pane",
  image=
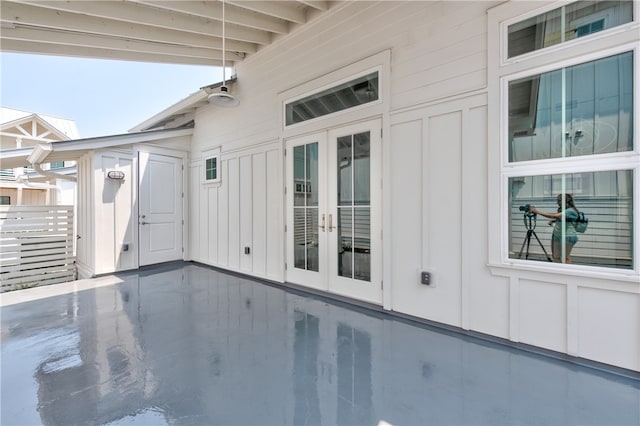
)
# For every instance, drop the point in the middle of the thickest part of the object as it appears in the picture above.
(345, 170)
(354, 223)
(345, 242)
(305, 210)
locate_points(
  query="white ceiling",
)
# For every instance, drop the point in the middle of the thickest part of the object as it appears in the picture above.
(182, 32)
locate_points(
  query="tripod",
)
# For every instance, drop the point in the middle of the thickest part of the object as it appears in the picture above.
(530, 222)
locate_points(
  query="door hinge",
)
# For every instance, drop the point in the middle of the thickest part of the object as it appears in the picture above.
(381, 285)
(285, 228)
(183, 195)
(285, 152)
(182, 222)
(381, 132)
(285, 266)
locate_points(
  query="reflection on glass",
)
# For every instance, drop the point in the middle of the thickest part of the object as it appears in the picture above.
(312, 240)
(354, 189)
(569, 22)
(596, 118)
(606, 198)
(305, 210)
(345, 170)
(354, 387)
(345, 242)
(361, 165)
(312, 174)
(359, 91)
(305, 368)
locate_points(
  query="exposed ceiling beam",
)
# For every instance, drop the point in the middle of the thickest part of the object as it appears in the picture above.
(171, 31)
(92, 52)
(233, 15)
(286, 10)
(16, 13)
(316, 4)
(110, 43)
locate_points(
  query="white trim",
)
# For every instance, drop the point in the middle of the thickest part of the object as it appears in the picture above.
(207, 155)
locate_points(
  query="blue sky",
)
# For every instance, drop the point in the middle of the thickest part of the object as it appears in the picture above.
(103, 97)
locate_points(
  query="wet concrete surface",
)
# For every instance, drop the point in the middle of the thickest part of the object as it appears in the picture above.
(188, 345)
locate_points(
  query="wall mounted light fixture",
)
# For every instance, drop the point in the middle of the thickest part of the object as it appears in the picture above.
(115, 175)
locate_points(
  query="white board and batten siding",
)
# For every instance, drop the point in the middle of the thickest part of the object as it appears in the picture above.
(436, 174)
(36, 246)
(243, 211)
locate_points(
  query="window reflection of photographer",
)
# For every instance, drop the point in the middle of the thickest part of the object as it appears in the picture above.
(570, 213)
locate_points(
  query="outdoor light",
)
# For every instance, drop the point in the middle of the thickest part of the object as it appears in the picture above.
(115, 175)
(223, 98)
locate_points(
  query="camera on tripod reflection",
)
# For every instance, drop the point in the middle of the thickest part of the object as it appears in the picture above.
(527, 210)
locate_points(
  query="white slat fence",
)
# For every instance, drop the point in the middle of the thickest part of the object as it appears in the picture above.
(36, 246)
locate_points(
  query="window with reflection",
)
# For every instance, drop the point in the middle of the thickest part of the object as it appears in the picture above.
(359, 91)
(604, 197)
(584, 109)
(567, 23)
(305, 206)
(354, 206)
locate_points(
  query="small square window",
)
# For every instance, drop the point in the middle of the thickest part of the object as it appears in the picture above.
(5, 200)
(211, 170)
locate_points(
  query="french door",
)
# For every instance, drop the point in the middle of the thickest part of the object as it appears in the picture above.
(333, 211)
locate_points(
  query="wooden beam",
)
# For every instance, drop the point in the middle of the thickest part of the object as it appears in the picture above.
(39, 35)
(233, 15)
(278, 9)
(316, 4)
(21, 46)
(18, 14)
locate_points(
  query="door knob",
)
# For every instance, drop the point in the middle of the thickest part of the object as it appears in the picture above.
(322, 226)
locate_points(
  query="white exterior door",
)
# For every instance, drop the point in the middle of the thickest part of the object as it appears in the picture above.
(333, 211)
(160, 208)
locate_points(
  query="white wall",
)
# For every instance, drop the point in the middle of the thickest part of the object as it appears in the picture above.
(435, 182)
(115, 212)
(244, 210)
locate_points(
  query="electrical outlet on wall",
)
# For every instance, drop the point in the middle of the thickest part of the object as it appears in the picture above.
(425, 277)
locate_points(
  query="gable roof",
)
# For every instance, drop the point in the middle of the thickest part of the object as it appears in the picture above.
(63, 128)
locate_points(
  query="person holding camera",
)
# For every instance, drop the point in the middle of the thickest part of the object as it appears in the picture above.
(570, 214)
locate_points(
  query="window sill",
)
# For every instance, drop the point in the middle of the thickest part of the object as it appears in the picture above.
(571, 274)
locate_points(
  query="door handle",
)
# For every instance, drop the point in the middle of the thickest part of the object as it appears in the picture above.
(323, 225)
(143, 223)
(331, 227)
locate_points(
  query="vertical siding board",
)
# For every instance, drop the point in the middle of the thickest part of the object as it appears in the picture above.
(406, 213)
(274, 231)
(194, 214)
(223, 227)
(233, 183)
(259, 214)
(246, 211)
(444, 215)
(213, 217)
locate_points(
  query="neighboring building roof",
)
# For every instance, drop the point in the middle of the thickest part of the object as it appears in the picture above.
(74, 149)
(64, 126)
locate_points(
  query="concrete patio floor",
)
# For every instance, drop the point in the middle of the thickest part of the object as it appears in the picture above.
(183, 344)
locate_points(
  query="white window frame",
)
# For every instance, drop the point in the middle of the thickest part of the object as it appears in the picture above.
(208, 155)
(501, 71)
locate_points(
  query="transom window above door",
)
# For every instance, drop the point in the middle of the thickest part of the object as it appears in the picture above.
(359, 91)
